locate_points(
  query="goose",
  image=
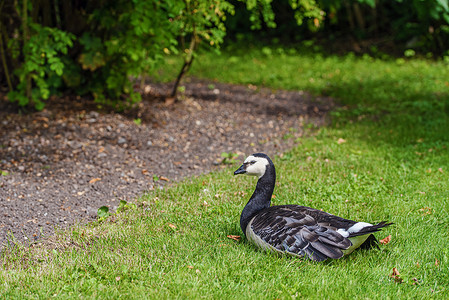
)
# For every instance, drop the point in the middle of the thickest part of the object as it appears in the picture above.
(293, 229)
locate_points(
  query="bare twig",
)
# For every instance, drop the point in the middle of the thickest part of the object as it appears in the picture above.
(186, 66)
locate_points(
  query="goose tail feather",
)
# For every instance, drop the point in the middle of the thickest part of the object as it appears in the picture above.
(370, 229)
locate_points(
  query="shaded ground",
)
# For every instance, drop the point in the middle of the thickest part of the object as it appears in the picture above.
(60, 165)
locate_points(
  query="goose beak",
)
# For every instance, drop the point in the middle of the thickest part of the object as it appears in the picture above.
(240, 170)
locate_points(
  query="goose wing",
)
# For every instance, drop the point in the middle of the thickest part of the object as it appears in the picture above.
(301, 231)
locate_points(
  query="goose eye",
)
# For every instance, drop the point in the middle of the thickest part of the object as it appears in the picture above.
(249, 163)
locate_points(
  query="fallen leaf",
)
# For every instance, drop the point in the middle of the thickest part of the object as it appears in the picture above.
(170, 100)
(144, 172)
(396, 276)
(164, 178)
(252, 87)
(437, 263)
(385, 240)
(341, 141)
(94, 180)
(43, 119)
(234, 237)
(425, 210)
(172, 226)
(190, 267)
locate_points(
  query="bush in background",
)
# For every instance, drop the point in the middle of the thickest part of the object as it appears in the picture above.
(101, 48)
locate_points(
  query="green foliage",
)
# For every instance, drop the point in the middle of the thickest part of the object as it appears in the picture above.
(124, 205)
(43, 63)
(138, 121)
(128, 40)
(103, 212)
(307, 9)
(229, 158)
(116, 44)
(392, 26)
(260, 10)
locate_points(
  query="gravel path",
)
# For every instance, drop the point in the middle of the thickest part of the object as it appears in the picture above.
(60, 165)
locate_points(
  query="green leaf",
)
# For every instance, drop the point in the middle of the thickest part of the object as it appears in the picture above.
(103, 212)
(371, 3)
(39, 105)
(444, 4)
(122, 204)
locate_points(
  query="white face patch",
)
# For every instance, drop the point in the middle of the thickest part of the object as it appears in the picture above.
(256, 166)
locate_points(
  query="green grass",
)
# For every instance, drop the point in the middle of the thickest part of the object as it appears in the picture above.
(393, 165)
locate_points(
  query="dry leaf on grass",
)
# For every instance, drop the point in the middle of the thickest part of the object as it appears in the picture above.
(437, 263)
(172, 226)
(385, 240)
(396, 276)
(341, 141)
(170, 100)
(94, 180)
(425, 210)
(234, 237)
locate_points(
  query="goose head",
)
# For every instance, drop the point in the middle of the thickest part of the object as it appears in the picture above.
(260, 165)
(255, 165)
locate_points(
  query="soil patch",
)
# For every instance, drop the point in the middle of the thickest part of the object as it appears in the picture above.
(60, 165)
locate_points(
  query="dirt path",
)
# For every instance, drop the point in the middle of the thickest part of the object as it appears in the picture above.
(60, 165)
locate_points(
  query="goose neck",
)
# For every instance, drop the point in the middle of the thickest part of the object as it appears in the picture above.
(260, 199)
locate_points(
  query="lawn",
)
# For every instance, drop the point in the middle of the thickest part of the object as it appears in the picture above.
(384, 157)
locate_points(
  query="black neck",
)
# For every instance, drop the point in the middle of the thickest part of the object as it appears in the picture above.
(261, 197)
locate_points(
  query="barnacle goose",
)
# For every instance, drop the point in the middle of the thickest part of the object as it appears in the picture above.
(293, 229)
